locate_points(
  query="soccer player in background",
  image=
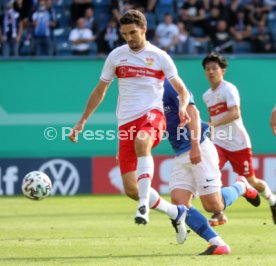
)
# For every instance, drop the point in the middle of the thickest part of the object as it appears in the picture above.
(273, 120)
(195, 171)
(223, 103)
(140, 68)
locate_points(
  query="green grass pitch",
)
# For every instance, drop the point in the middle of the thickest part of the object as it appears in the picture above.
(100, 230)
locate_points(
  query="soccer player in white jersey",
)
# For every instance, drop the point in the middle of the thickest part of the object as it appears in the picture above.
(140, 68)
(223, 102)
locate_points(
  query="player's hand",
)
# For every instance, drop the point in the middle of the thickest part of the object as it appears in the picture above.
(274, 130)
(273, 121)
(212, 124)
(195, 154)
(117, 158)
(212, 131)
(184, 118)
(78, 128)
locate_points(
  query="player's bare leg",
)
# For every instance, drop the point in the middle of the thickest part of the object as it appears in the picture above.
(210, 203)
(262, 187)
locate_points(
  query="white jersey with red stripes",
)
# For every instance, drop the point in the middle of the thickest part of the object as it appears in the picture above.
(232, 136)
(140, 79)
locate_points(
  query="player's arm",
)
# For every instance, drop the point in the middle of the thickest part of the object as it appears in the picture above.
(195, 129)
(211, 128)
(95, 99)
(233, 114)
(273, 120)
(183, 97)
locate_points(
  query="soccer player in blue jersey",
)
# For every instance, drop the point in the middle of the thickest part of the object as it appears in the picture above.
(196, 171)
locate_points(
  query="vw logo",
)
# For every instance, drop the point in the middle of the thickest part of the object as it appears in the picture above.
(64, 175)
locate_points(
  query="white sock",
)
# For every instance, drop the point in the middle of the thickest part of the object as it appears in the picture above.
(159, 204)
(217, 241)
(145, 168)
(269, 195)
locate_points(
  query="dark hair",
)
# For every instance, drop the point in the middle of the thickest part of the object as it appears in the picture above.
(133, 17)
(216, 58)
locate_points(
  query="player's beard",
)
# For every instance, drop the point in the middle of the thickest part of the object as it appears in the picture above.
(134, 45)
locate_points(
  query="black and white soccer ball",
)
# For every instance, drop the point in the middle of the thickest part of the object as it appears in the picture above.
(36, 185)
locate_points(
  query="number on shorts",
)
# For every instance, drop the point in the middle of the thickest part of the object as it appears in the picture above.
(246, 166)
(151, 116)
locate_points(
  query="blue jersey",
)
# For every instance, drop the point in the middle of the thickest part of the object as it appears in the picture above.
(180, 139)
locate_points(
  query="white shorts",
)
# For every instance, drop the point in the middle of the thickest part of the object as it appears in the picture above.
(202, 178)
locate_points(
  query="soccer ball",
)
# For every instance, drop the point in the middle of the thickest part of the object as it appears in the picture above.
(36, 185)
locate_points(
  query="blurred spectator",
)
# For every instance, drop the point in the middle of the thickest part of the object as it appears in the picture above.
(18, 7)
(219, 4)
(193, 14)
(263, 40)
(272, 5)
(28, 7)
(109, 38)
(210, 24)
(81, 38)
(185, 44)
(166, 34)
(78, 8)
(41, 32)
(119, 7)
(90, 21)
(257, 12)
(240, 28)
(221, 39)
(144, 6)
(10, 31)
(53, 18)
(53, 15)
(232, 8)
(53, 22)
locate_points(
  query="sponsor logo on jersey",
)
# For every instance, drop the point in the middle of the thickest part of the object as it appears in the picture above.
(218, 108)
(135, 72)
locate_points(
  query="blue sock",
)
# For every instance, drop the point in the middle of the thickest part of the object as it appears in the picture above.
(199, 224)
(231, 194)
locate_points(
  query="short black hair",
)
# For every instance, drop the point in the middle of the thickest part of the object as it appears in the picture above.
(216, 58)
(134, 17)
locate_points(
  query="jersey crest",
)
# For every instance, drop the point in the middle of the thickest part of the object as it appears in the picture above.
(149, 61)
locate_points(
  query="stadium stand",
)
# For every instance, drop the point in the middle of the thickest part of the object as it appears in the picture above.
(64, 14)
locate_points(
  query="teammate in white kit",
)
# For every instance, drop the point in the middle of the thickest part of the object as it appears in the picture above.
(140, 68)
(230, 136)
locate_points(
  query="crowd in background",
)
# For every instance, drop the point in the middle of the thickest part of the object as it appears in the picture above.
(90, 27)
